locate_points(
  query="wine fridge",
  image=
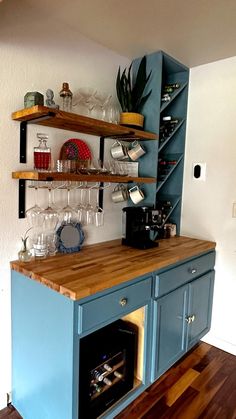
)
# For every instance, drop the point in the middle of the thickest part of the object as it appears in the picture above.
(107, 364)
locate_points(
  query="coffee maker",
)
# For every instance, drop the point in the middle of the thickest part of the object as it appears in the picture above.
(140, 226)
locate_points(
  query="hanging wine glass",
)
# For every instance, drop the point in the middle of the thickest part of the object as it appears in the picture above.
(51, 220)
(50, 213)
(88, 210)
(34, 214)
(80, 208)
(98, 212)
(68, 214)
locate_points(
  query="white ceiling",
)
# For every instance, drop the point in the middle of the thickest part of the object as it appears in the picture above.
(194, 31)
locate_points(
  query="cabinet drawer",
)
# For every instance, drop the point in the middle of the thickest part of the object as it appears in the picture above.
(115, 304)
(175, 277)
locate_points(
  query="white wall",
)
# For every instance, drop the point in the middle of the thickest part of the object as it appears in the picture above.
(36, 54)
(207, 206)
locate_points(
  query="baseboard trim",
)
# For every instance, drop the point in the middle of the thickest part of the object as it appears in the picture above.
(220, 343)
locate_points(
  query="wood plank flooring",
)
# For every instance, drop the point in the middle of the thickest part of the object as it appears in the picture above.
(202, 385)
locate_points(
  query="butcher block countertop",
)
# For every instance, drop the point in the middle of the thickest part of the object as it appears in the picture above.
(104, 265)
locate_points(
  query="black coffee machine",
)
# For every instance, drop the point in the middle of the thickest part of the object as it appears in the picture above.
(140, 226)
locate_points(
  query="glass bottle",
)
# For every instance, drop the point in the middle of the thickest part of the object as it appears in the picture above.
(42, 154)
(66, 96)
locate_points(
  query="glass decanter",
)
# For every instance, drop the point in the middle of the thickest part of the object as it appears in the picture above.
(42, 154)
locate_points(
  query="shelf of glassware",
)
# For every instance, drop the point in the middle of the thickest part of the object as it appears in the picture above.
(49, 117)
(106, 178)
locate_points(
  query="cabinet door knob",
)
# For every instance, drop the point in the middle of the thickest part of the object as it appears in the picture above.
(192, 270)
(190, 319)
(123, 302)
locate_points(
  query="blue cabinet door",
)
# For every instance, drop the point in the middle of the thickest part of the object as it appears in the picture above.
(169, 330)
(199, 308)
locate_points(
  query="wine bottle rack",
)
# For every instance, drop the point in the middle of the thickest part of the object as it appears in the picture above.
(166, 71)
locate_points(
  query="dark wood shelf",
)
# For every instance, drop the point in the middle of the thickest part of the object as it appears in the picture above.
(49, 117)
(56, 176)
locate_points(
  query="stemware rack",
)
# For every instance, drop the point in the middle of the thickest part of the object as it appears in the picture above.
(41, 115)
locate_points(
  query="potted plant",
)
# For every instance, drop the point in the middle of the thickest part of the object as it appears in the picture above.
(24, 255)
(131, 94)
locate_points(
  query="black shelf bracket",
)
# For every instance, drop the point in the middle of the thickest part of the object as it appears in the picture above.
(23, 133)
(21, 198)
(23, 136)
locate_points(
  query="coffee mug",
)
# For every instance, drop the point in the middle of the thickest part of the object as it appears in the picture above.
(136, 195)
(136, 151)
(119, 193)
(118, 150)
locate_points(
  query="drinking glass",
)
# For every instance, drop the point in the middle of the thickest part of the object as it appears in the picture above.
(40, 244)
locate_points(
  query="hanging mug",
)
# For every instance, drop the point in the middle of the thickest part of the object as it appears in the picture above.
(119, 194)
(118, 150)
(136, 151)
(136, 194)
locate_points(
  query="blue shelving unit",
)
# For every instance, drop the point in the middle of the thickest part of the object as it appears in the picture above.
(165, 70)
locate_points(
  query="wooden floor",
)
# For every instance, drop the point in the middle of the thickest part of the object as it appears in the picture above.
(200, 386)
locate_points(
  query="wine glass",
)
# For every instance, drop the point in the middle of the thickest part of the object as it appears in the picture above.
(88, 210)
(85, 100)
(98, 212)
(101, 105)
(80, 208)
(68, 214)
(51, 220)
(50, 213)
(34, 214)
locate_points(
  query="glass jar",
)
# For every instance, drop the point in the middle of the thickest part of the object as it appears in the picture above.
(42, 154)
(66, 96)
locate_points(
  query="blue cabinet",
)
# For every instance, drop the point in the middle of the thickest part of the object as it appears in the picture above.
(46, 332)
(200, 308)
(169, 330)
(183, 315)
(171, 308)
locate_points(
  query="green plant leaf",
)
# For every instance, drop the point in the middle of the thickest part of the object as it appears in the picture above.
(143, 101)
(140, 82)
(118, 86)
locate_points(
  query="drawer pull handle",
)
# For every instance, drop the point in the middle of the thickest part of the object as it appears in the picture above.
(190, 319)
(192, 270)
(123, 302)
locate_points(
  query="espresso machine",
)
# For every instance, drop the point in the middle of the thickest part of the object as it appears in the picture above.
(141, 226)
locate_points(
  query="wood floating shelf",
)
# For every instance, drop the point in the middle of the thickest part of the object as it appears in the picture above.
(56, 176)
(49, 117)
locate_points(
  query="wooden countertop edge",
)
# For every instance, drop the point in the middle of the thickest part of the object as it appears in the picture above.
(76, 291)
